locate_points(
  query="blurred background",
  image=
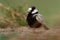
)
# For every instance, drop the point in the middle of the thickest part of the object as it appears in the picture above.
(13, 12)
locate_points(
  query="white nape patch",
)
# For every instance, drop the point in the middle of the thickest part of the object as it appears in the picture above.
(29, 9)
(35, 11)
(39, 18)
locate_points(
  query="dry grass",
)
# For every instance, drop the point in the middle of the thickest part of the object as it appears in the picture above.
(14, 17)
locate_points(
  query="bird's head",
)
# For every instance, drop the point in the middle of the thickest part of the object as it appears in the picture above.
(32, 10)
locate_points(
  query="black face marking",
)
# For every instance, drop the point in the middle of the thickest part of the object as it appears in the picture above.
(33, 8)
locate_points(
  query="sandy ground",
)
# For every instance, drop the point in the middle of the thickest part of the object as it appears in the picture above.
(26, 33)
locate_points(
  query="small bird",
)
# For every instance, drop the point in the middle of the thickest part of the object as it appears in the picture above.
(34, 19)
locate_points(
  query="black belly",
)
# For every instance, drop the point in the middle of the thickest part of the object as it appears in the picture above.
(32, 22)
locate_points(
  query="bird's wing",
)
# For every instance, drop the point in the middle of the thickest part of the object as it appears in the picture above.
(39, 18)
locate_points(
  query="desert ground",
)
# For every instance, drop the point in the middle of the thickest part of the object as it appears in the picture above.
(27, 33)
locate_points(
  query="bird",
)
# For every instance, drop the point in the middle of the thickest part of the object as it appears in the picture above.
(34, 19)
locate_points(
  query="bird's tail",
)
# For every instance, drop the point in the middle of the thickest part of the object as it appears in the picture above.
(45, 27)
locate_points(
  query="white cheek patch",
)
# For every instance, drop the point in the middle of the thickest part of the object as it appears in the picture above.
(29, 9)
(35, 11)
